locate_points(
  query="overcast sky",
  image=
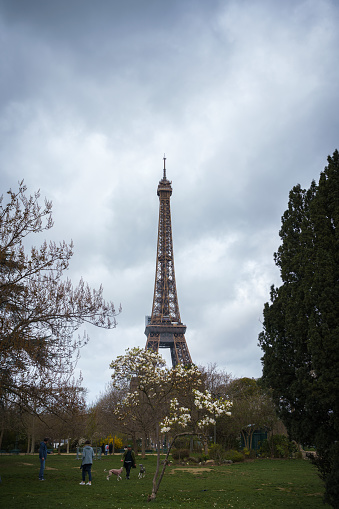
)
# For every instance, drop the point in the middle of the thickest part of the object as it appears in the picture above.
(241, 95)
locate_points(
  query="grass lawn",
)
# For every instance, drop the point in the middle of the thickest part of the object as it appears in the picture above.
(258, 484)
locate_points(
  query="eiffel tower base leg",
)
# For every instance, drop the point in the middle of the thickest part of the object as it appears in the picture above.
(175, 342)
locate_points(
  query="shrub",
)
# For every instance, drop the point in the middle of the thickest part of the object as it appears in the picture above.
(234, 456)
(277, 446)
(182, 443)
(192, 459)
(203, 457)
(180, 454)
(249, 453)
(216, 452)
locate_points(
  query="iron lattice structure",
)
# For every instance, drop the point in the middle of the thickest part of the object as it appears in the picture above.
(164, 328)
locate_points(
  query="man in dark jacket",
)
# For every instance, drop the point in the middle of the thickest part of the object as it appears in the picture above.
(42, 458)
(129, 460)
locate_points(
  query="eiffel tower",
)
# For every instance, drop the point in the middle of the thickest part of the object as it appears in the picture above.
(164, 328)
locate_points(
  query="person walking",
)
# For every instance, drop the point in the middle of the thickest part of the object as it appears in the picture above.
(129, 460)
(86, 464)
(42, 458)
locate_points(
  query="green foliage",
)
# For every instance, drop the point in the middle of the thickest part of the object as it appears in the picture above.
(277, 446)
(328, 464)
(235, 456)
(301, 324)
(244, 388)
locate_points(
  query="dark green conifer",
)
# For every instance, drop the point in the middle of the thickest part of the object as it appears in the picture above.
(300, 339)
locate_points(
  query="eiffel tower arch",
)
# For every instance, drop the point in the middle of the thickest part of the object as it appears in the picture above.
(164, 328)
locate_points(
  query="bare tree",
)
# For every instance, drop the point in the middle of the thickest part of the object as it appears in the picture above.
(216, 380)
(40, 310)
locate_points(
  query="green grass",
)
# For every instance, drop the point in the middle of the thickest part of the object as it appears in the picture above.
(259, 484)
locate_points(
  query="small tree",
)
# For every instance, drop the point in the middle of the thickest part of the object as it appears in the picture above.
(253, 408)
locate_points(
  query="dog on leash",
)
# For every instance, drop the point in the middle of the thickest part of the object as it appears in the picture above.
(114, 471)
(142, 471)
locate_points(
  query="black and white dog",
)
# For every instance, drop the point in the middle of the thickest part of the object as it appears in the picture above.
(142, 471)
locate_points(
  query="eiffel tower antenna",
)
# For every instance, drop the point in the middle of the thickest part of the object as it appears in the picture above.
(164, 167)
(164, 328)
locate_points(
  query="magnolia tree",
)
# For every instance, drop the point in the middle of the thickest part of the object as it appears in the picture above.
(163, 400)
(147, 386)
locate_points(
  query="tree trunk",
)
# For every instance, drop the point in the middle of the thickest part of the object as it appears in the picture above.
(143, 446)
(251, 439)
(156, 480)
(135, 445)
(205, 446)
(33, 434)
(246, 438)
(1, 435)
(155, 477)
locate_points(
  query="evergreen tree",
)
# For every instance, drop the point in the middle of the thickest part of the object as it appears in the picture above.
(300, 339)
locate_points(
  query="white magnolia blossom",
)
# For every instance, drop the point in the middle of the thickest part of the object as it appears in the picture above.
(204, 402)
(179, 416)
(206, 421)
(217, 407)
(145, 365)
(146, 372)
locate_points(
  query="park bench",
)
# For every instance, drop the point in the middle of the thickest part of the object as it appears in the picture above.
(15, 451)
(97, 451)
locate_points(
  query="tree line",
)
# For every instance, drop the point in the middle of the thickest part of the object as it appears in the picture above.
(114, 413)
